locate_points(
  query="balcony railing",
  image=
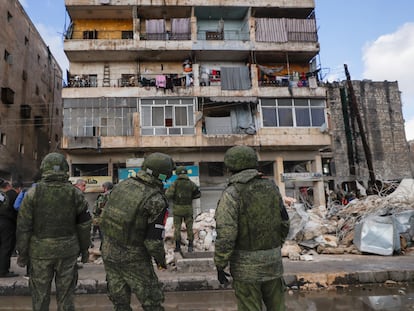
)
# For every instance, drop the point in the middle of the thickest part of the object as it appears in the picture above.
(289, 81)
(83, 81)
(165, 36)
(302, 36)
(234, 35)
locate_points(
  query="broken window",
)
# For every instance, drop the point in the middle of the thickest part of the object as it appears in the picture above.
(25, 111)
(7, 95)
(38, 121)
(3, 139)
(222, 118)
(90, 169)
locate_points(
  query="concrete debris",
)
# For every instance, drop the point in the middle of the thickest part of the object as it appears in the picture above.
(335, 229)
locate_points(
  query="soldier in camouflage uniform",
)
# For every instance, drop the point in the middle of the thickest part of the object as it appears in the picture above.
(182, 192)
(53, 229)
(99, 206)
(251, 224)
(133, 224)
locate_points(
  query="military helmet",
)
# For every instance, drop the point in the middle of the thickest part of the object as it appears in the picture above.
(55, 162)
(181, 170)
(239, 158)
(159, 165)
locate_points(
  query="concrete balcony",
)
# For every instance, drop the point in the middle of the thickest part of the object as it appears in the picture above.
(199, 91)
(114, 91)
(257, 3)
(276, 138)
(110, 50)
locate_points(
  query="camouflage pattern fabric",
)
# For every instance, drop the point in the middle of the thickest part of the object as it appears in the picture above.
(249, 232)
(251, 295)
(182, 192)
(53, 229)
(133, 207)
(99, 206)
(43, 271)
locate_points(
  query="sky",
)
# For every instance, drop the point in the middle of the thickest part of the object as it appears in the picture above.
(374, 38)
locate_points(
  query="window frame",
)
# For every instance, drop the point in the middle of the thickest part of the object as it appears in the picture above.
(293, 112)
(170, 117)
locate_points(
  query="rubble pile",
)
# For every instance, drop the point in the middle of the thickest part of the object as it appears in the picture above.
(332, 229)
(355, 228)
(204, 228)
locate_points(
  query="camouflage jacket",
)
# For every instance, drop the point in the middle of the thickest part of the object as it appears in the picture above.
(99, 206)
(53, 220)
(250, 229)
(182, 192)
(135, 207)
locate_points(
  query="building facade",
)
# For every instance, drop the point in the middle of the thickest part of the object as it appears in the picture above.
(379, 107)
(31, 95)
(193, 78)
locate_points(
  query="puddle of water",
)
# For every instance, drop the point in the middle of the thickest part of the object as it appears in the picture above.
(366, 298)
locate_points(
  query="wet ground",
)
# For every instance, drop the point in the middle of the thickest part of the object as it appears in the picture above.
(367, 298)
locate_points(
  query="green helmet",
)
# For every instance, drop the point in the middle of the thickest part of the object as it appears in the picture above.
(181, 170)
(239, 158)
(159, 165)
(55, 162)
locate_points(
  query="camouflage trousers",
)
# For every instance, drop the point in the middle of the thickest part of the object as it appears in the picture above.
(188, 220)
(42, 272)
(251, 296)
(133, 277)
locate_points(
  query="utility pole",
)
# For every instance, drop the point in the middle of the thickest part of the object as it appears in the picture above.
(367, 150)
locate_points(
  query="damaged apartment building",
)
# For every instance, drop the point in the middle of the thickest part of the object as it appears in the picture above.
(193, 78)
(31, 96)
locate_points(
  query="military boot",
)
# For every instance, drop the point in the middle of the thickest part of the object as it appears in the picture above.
(190, 246)
(177, 247)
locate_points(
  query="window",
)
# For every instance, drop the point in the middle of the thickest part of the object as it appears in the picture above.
(100, 117)
(90, 169)
(25, 111)
(37, 90)
(8, 57)
(167, 117)
(26, 40)
(127, 34)
(298, 112)
(90, 34)
(21, 148)
(7, 95)
(9, 16)
(24, 75)
(266, 167)
(3, 139)
(215, 169)
(38, 121)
